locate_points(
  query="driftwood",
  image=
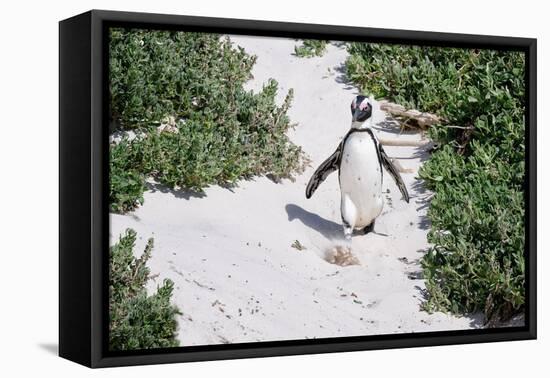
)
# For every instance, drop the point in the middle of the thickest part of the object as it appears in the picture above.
(400, 168)
(404, 143)
(413, 117)
(410, 117)
(417, 119)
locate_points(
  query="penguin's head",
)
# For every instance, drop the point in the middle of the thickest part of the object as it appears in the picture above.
(361, 109)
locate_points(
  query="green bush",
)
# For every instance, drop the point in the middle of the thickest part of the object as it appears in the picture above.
(224, 133)
(477, 212)
(138, 321)
(127, 182)
(154, 74)
(310, 48)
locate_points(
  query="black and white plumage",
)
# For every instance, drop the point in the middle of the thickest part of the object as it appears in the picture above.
(332, 163)
(359, 159)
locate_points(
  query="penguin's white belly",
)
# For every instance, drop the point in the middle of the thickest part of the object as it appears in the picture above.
(360, 181)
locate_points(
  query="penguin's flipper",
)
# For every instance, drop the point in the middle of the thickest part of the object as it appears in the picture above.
(392, 170)
(326, 168)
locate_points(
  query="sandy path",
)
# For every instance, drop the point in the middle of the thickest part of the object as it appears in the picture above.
(229, 252)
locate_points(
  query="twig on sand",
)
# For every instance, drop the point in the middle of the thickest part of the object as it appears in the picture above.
(297, 245)
(203, 286)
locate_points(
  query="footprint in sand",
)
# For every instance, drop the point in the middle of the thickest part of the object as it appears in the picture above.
(342, 256)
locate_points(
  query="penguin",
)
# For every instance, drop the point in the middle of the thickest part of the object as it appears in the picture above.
(360, 160)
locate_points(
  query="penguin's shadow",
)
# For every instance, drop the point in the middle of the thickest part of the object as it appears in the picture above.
(327, 228)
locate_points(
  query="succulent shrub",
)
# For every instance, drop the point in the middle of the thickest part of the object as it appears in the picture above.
(310, 48)
(222, 132)
(126, 179)
(138, 320)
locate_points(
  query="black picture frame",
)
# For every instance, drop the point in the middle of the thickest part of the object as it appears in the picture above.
(83, 181)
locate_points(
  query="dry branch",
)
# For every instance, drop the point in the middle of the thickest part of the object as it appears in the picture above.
(422, 119)
(400, 168)
(416, 118)
(404, 143)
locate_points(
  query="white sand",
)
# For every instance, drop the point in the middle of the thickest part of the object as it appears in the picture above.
(229, 252)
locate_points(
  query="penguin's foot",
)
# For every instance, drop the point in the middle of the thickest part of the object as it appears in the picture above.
(365, 230)
(348, 231)
(342, 256)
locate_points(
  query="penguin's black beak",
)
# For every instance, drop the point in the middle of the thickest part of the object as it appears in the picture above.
(359, 115)
(361, 109)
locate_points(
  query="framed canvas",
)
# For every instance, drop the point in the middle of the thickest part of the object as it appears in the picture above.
(235, 188)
